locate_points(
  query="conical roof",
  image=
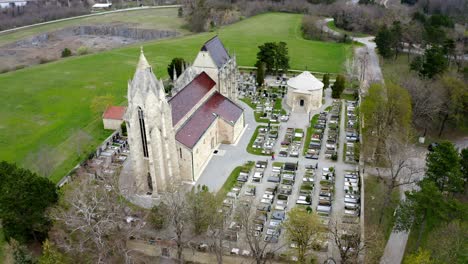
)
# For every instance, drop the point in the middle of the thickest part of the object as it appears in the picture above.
(142, 62)
(305, 82)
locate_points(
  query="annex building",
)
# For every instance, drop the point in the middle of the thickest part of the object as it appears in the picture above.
(172, 138)
(304, 93)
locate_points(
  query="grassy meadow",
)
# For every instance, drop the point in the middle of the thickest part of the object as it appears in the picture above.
(47, 106)
(164, 18)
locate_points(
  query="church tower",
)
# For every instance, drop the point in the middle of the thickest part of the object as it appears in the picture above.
(150, 132)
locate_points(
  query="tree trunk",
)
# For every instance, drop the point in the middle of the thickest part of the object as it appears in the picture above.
(442, 126)
(421, 230)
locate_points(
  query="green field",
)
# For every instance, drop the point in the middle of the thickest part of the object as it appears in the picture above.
(165, 18)
(47, 104)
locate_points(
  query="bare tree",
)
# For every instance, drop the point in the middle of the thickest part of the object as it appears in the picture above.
(261, 246)
(398, 154)
(349, 240)
(178, 216)
(218, 222)
(92, 221)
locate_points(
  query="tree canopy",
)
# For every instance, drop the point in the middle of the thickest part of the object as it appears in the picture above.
(274, 55)
(176, 63)
(24, 197)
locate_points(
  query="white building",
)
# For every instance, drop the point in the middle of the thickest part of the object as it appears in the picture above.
(304, 93)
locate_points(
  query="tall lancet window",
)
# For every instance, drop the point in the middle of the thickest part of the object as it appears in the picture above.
(143, 132)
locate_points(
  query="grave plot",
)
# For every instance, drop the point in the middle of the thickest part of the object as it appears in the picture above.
(259, 171)
(331, 151)
(327, 181)
(307, 187)
(313, 143)
(263, 140)
(351, 152)
(352, 192)
(295, 147)
(291, 143)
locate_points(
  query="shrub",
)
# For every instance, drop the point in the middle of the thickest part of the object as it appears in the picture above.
(66, 52)
(83, 50)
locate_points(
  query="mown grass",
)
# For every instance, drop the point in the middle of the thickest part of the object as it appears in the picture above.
(310, 131)
(45, 105)
(232, 179)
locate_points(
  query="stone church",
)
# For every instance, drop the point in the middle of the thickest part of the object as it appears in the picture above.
(172, 139)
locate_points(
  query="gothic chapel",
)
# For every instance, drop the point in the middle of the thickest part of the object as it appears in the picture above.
(172, 139)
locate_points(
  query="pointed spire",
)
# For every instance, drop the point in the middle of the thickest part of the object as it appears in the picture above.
(143, 63)
(183, 67)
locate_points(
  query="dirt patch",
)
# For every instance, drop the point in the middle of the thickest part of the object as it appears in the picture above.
(92, 38)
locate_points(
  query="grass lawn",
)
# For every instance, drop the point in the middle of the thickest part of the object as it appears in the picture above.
(232, 179)
(165, 18)
(332, 26)
(374, 188)
(46, 104)
(310, 131)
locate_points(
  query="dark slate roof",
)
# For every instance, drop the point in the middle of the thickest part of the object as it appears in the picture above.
(189, 96)
(217, 51)
(200, 121)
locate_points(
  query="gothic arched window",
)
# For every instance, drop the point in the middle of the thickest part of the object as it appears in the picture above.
(144, 143)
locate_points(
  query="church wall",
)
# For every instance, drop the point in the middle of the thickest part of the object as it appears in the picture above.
(316, 99)
(225, 131)
(184, 156)
(204, 62)
(238, 127)
(204, 148)
(112, 123)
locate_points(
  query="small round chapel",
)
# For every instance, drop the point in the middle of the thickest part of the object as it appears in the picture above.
(304, 93)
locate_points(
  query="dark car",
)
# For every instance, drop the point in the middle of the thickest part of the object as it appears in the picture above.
(432, 146)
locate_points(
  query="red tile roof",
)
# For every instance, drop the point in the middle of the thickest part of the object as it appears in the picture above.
(114, 112)
(189, 96)
(200, 121)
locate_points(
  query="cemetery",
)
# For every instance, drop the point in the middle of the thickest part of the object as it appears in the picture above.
(351, 154)
(266, 101)
(263, 140)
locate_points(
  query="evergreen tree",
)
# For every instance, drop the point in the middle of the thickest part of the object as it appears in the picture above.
(24, 197)
(260, 73)
(434, 63)
(281, 57)
(267, 54)
(339, 86)
(443, 168)
(274, 55)
(326, 80)
(384, 42)
(176, 63)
